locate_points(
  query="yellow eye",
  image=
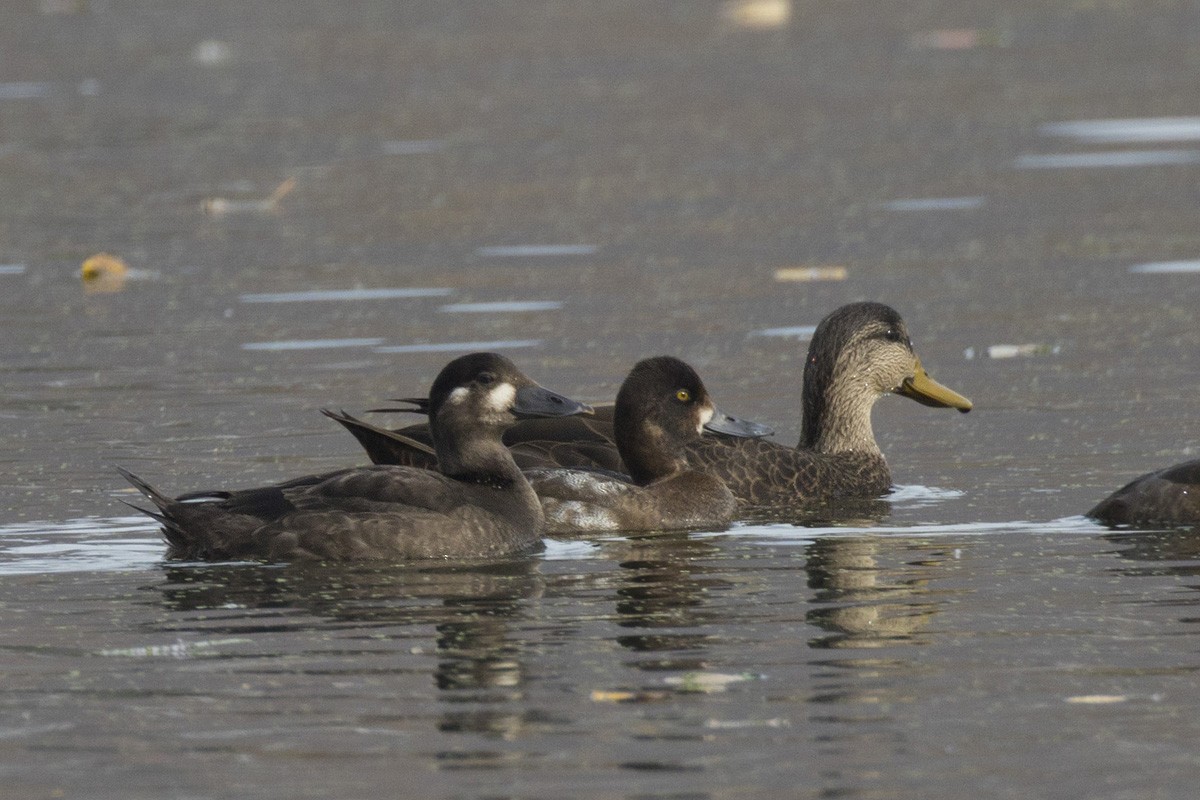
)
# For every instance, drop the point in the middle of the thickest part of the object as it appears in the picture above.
(683, 395)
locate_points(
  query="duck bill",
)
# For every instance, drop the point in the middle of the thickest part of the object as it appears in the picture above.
(735, 426)
(537, 401)
(926, 391)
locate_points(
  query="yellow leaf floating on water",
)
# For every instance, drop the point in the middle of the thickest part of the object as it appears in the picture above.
(102, 265)
(103, 273)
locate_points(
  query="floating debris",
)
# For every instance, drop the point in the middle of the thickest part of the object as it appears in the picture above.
(1096, 699)
(708, 682)
(218, 206)
(412, 147)
(536, 250)
(946, 39)
(12, 269)
(828, 272)
(1166, 268)
(102, 265)
(628, 695)
(1014, 350)
(466, 347)
(794, 332)
(1116, 158)
(739, 724)
(1112, 131)
(757, 14)
(326, 295)
(311, 344)
(936, 203)
(502, 307)
(211, 53)
(103, 274)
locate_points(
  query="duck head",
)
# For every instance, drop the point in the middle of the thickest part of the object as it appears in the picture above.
(661, 406)
(858, 353)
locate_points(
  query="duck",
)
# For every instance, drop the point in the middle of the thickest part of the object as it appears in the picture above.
(1168, 497)
(662, 405)
(477, 505)
(858, 353)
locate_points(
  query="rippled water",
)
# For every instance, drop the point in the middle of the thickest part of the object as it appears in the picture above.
(319, 204)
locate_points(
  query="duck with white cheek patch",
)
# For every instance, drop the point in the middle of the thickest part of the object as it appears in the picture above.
(479, 505)
(858, 353)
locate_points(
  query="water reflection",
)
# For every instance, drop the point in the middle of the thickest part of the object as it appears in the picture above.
(1177, 552)
(864, 601)
(663, 594)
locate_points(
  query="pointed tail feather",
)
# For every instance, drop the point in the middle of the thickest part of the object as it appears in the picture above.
(385, 446)
(153, 495)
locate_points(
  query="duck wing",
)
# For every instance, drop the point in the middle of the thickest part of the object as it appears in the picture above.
(765, 473)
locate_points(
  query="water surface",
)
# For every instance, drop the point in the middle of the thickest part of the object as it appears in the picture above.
(587, 185)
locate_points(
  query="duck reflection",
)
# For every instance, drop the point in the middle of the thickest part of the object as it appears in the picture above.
(663, 594)
(1180, 546)
(865, 598)
(479, 664)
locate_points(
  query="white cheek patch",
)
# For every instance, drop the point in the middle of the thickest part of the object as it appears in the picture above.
(501, 398)
(706, 415)
(458, 396)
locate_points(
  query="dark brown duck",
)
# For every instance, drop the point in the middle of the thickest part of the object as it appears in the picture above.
(858, 353)
(662, 406)
(478, 506)
(1169, 497)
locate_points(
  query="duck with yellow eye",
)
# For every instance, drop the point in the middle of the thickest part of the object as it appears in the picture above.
(858, 353)
(661, 408)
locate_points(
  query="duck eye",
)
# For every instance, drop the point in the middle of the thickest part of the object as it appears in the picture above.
(892, 335)
(683, 395)
(485, 379)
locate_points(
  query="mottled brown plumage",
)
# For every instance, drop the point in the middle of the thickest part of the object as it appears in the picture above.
(1169, 497)
(479, 505)
(858, 353)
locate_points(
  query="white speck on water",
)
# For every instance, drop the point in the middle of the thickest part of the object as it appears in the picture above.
(12, 269)
(1016, 350)
(88, 87)
(211, 53)
(1115, 158)
(327, 295)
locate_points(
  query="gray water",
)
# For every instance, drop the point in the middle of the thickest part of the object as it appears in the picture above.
(320, 204)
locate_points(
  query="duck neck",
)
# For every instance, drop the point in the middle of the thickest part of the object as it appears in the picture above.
(837, 416)
(477, 459)
(647, 452)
